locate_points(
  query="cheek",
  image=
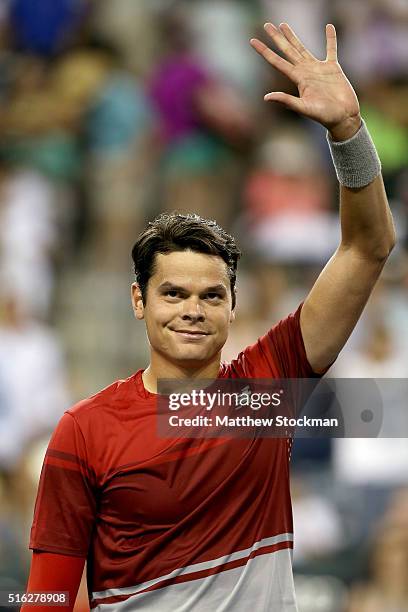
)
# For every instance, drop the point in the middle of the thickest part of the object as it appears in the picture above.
(226, 316)
(158, 316)
(223, 323)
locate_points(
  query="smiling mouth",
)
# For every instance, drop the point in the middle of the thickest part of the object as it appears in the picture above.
(190, 333)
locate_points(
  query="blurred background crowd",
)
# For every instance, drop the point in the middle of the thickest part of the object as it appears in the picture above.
(112, 111)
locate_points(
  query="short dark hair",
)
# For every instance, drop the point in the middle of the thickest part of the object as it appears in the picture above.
(177, 232)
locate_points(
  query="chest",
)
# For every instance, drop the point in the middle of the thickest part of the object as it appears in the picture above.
(191, 477)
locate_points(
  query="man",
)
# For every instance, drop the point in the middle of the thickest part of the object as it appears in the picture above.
(204, 524)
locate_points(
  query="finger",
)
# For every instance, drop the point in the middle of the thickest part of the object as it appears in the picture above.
(272, 58)
(331, 43)
(295, 41)
(282, 43)
(292, 102)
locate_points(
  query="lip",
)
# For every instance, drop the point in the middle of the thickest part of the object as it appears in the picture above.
(190, 334)
(195, 332)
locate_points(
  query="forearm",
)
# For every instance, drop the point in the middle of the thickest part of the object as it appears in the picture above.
(366, 221)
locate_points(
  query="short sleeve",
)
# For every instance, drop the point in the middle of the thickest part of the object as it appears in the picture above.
(280, 353)
(65, 507)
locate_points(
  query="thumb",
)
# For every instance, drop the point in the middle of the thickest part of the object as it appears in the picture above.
(287, 100)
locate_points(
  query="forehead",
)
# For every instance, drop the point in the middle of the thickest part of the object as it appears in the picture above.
(187, 268)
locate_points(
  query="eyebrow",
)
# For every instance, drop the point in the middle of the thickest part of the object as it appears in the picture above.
(215, 288)
(168, 285)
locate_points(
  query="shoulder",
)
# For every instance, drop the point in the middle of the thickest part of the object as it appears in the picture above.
(279, 353)
(88, 428)
(116, 396)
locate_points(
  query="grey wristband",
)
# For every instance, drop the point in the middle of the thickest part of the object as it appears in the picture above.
(355, 160)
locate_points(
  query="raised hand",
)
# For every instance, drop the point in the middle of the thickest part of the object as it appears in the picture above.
(325, 94)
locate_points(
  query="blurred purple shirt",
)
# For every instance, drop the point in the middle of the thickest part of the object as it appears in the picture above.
(173, 90)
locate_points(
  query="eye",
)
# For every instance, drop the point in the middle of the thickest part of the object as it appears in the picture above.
(172, 293)
(213, 296)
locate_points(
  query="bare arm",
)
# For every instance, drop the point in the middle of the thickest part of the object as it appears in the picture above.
(335, 302)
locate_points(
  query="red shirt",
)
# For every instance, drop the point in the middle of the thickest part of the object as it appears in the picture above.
(166, 523)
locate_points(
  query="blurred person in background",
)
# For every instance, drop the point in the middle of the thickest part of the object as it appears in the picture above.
(384, 103)
(44, 27)
(38, 124)
(212, 22)
(82, 118)
(372, 468)
(34, 390)
(117, 132)
(374, 32)
(202, 120)
(262, 296)
(178, 291)
(33, 395)
(28, 235)
(307, 16)
(386, 587)
(324, 534)
(131, 28)
(287, 199)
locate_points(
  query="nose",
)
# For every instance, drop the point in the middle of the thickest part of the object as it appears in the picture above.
(193, 310)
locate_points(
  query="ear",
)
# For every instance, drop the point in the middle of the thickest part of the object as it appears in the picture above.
(232, 316)
(137, 302)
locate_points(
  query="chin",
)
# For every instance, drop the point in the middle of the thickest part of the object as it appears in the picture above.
(191, 358)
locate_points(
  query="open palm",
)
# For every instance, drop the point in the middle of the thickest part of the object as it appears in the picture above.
(325, 94)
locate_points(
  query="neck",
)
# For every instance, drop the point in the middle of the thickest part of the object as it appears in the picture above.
(160, 368)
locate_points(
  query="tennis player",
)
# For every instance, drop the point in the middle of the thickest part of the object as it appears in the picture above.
(205, 524)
